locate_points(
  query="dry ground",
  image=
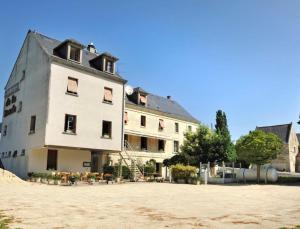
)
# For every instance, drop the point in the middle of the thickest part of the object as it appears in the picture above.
(150, 205)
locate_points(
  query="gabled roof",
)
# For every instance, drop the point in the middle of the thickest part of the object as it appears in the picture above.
(49, 44)
(165, 105)
(282, 131)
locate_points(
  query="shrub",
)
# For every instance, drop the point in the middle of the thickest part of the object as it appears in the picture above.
(149, 167)
(114, 170)
(180, 171)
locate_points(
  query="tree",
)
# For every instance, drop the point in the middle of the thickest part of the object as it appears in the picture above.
(227, 151)
(196, 146)
(258, 147)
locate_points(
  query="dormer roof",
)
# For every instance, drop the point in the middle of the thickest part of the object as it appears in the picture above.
(70, 41)
(50, 44)
(140, 90)
(106, 54)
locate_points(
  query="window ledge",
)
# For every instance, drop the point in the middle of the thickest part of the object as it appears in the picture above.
(31, 132)
(143, 126)
(74, 61)
(69, 133)
(107, 102)
(103, 137)
(69, 93)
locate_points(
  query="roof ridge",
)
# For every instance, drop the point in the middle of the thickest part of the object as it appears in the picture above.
(287, 124)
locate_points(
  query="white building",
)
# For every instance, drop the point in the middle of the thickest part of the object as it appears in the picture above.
(65, 109)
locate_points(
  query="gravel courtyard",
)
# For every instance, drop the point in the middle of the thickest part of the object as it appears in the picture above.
(150, 205)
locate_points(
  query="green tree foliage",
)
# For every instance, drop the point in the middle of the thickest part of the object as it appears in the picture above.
(258, 147)
(226, 149)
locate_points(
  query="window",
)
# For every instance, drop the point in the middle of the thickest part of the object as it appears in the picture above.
(23, 152)
(52, 160)
(161, 125)
(32, 124)
(144, 143)
(126, 141)
(13, 99)
(9, 154)
(70, 124)
(109, 67)
(126, 117)
(143, 120)
(72, 85)
(20, 106)
(15, 154)
(189, 128)
(106, 129)
(107, 95)
(75, 54)
(161, 145)
(8, 102)
(176, 127)
(5, 130)
(143, 100)
(176, 146)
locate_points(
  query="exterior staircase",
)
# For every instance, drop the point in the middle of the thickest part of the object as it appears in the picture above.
(131, 162)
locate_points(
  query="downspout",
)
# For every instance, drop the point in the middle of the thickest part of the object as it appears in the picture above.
(123, 110)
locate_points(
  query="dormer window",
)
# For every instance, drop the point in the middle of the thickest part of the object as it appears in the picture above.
(143, 100)
(105, 62)
(109, 66)
(74, 53)
(70, 50)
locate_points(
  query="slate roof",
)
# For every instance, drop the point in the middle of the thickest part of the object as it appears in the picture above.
(168, 106)
(154, 102)
(282, 131)
(49, 44)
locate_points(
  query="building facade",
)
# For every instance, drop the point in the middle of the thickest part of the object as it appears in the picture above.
(286, 160)
(154, 128)
(65, 109)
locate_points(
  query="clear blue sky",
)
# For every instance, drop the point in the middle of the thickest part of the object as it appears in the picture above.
(239, 56)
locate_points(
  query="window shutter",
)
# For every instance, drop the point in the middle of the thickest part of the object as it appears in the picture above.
(161, 124)
(126, 117)
(108, 94)
(143, 99)
(72, 85)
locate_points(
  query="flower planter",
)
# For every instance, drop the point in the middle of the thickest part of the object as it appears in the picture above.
(50, 181)
(181, 181)
(57, 182)
(38, 179)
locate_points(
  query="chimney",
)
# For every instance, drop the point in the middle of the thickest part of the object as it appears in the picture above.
(91, 48)
(169, 97)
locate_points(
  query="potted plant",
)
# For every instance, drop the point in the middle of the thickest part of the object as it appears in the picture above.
(91, 178)
(108, 177)
(50, 179)
(43, 177)
(36, 177)
(56, 179)
(74, 178)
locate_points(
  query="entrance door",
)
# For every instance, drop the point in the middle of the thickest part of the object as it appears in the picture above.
(95, 161)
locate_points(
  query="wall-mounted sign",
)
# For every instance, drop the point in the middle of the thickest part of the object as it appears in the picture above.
(86, 164)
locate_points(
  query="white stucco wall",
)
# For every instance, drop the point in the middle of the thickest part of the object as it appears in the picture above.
(68, 160)
(33, 94)
(89, 108)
